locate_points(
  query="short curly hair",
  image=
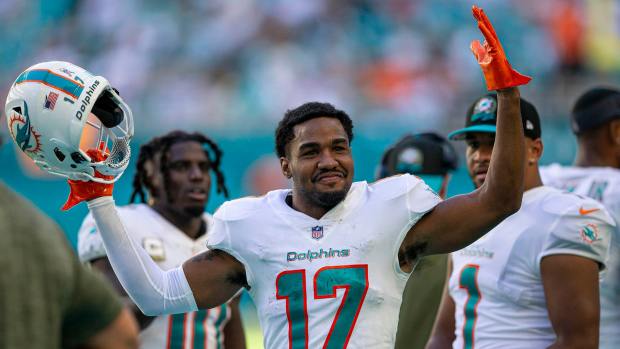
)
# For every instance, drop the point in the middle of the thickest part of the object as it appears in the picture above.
(284, 132)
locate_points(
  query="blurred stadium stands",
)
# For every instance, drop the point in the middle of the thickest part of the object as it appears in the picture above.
(235, 66)
(231, 68)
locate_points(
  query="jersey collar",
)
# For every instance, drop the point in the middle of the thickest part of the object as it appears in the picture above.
(357, 192)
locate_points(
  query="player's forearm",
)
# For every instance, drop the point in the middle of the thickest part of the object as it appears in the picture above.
(234, 337)
(503, 187)
(572, 302)
(153, 290)
(442, 335)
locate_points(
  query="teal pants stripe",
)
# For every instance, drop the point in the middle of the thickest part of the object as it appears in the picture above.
(177, 331)
(200, 335)
(218, 325)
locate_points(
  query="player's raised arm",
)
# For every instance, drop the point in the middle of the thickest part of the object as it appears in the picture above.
(57, 147)
(205, 281)
(457, 222)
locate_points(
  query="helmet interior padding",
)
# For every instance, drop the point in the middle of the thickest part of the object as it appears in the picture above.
(107, 110)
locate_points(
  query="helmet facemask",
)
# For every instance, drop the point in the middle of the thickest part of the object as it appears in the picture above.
(108, 128)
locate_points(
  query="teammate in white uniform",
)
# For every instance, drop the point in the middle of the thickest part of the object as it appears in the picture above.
(326, 262)
(169, 238)
(596, 174)
(532, 281)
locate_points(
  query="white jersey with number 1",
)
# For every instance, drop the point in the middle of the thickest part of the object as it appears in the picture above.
(496, 282)
(601, 184)
(333, 282)
(169, 247)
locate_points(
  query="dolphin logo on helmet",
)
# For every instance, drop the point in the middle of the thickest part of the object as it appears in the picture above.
(26, 138)
(22, 136)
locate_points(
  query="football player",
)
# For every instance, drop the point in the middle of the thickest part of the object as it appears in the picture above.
(327, 261)
(174, 174)
(596, 124)
(532, 281)
(432, 158)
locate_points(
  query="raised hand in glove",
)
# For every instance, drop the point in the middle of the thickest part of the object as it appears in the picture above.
(83, 190)
(491, 57)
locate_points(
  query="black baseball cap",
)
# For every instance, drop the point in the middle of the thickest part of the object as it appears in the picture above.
(482, 117)
(595, 107)
(419, 154)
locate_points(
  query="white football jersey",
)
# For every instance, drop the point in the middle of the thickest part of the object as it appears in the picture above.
(601, 184)
(333, 282)
(169, 247)
(496, 283)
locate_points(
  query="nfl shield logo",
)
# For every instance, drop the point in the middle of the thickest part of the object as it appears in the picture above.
(317, 232)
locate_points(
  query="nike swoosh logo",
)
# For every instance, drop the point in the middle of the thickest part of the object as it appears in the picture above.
(584, 212)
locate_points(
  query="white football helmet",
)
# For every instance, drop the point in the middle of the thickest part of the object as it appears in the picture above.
(48, 110)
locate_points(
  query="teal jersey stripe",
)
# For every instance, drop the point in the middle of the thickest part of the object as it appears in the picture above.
(177, 331)
(468, 281)
(291, 287)
(200, 334)
(46, 77)
(218, 325)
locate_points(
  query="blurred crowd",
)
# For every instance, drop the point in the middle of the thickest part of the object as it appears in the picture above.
(236, 66)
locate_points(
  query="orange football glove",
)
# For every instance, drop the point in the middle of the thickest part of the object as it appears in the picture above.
(83, 190)
(491, 57)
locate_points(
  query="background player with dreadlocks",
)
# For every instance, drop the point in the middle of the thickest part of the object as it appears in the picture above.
(172, 183)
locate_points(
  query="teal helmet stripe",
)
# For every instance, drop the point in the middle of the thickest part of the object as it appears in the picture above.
(51, 79)
(460, 134)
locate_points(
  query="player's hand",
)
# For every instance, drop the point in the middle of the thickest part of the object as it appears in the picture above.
(83, 190)
(491, 57)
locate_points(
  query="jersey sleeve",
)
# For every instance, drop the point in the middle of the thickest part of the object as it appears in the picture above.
(613, 207)
(547, 175)
(420, 197)
(219, 239)
(583, 230)
(405, 200)
(90, 245)
(91, 299)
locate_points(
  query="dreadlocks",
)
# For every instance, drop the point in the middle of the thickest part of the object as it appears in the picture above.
(147, 152)
(159, 146)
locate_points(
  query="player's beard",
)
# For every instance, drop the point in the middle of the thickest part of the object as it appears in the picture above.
(326, 200)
